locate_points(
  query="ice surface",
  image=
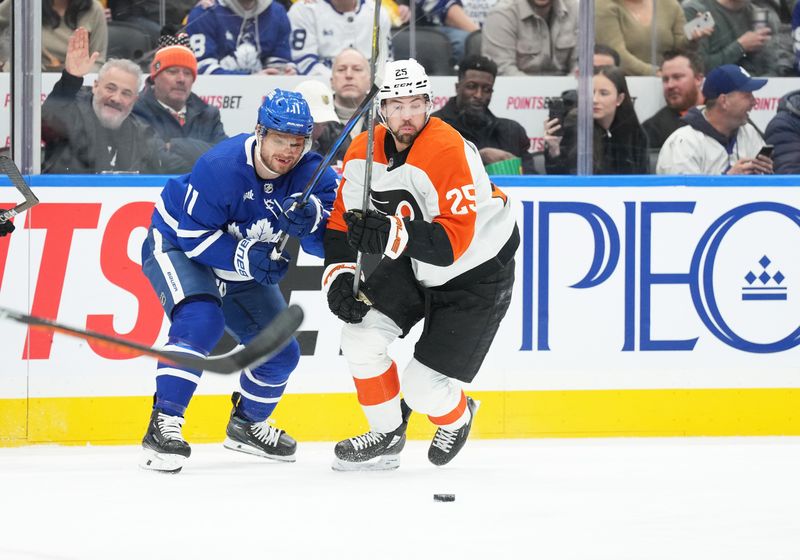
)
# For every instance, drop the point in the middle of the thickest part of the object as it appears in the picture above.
(586, 499)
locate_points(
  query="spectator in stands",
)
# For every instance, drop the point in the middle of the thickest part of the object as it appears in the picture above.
(532, 37)
(241, 37)
(783, 132)
(350, 82)
(738, 38)
(320, 101)
(619, 143)
(146, 14)
(605, 56)
(60, 18)
(718, 139)
(187, 125)
(498, 139)
(321, 30)
(627, 26)
(681, 79)
(91, 130)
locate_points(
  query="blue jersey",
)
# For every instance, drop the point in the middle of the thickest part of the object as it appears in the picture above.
(226, 43)
(208, 211)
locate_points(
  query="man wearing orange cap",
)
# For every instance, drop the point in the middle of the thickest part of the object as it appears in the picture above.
(187, 125)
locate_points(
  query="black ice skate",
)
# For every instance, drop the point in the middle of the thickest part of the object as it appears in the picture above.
(258, 438)
(373, 451)
(447, 443)
(164, 448)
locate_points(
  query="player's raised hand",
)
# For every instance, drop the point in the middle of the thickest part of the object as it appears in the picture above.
(301, 218)
(78, 61)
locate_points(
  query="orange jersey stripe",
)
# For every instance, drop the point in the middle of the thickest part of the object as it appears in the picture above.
(380, 389)
(453, 415)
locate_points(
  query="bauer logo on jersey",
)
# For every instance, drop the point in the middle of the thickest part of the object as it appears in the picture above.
(397, 203)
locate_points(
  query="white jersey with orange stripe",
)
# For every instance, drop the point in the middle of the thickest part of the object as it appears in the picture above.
(439, 179)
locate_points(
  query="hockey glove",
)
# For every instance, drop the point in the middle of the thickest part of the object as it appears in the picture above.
(6, 227)
(338, 280)
(376, 233)
(301, 218)
(252, 261)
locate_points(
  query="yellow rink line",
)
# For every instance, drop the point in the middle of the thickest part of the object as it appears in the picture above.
(512, 414)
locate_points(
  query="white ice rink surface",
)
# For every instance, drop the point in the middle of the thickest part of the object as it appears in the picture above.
(586, 499)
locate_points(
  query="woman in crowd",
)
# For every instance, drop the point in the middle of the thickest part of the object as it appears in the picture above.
(619, 145)
(628, 27)
(60, 18)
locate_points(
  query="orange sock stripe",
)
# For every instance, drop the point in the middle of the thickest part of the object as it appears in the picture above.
(377, 390)
(453, 415)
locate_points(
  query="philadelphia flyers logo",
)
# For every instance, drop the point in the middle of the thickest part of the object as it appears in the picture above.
(396, 203)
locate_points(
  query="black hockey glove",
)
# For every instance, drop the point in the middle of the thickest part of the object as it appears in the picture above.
(375, 233)
(253, 260)
(6, 227)
(341, 300)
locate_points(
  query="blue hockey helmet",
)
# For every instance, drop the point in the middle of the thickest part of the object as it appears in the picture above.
(287, 112)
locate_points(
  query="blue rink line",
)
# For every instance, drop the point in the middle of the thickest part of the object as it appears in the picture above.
(506, 181)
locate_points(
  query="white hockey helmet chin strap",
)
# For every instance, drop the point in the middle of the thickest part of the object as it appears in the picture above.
(260, 133)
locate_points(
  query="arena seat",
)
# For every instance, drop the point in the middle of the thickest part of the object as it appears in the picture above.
(433, 51)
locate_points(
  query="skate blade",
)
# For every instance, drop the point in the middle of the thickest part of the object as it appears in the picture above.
(383, 463)
(250, 450)
(168, 463)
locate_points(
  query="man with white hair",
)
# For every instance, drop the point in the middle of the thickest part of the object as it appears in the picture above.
(447, 238)
(90, 130)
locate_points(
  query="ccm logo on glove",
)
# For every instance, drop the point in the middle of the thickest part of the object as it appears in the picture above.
(252, 262)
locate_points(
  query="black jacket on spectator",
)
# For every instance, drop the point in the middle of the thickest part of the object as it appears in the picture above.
(202, 129)
(622, 150)
(504, 134)
(328, 137)
(661, 125)
(76, 142)
(783, 132)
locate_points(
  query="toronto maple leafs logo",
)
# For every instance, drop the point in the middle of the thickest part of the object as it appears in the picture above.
(262, 231)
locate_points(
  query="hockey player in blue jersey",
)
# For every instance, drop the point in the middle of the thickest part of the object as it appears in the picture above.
(207, 255)
(241, 37)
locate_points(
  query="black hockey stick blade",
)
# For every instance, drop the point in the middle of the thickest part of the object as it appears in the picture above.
(8, 167)
(266, 344)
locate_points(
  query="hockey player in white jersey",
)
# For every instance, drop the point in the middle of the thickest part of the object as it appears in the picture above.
(324, 28)
(447, 237)
(208, 257)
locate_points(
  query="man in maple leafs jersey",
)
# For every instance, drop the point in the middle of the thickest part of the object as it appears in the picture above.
(208, 257)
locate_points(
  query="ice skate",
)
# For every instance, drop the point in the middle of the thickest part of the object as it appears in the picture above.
(373, 451)
(258, 438)
(163, 446)
(447, 443)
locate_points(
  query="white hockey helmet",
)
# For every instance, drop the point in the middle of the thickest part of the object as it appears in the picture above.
(404, 78)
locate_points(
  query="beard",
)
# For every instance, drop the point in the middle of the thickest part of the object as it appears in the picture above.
(112, 121)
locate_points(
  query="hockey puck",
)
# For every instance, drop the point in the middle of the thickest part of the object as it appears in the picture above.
(444, 497)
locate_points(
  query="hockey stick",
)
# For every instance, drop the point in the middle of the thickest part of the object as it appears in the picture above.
(266, 344)
(8, 167)
(280, 245)
(365, 105)
(373, 71)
